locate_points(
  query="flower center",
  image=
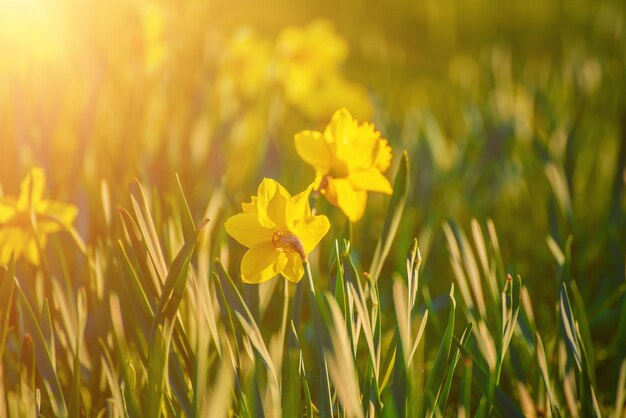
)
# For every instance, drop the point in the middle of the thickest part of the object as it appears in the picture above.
(288, 242)
(339, 169)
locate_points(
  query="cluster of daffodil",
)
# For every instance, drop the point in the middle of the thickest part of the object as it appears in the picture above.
(280, 231)
(26, 222)
(304, 64)
(260, 83)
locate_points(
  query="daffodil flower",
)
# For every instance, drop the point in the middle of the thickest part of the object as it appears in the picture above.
(279, 231)
(29, 219)
(349, 161)
(304, 55)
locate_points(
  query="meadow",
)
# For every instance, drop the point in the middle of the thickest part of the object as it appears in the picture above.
(334, 209)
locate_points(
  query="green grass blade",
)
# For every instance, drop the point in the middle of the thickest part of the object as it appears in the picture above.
(146, 226)
(157, 371)
(186, 219)
(435, 380)
(341, 365)
(291, 395)
(392, 219)
(7, 290)
(502, 402)
(443, 396)
(545, 375)
(44, 361)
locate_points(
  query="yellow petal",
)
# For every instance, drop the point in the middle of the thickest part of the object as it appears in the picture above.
(383, 157)
(371, 180)
(250, 207)
(246, 230)
(311, 230)
(31, 189)
(31, 251)
(350, 201)
(60, 212)
(363, 148)
(293, 269)
(273, 204)
(7, 210)
(261, 263)
(314, 150)
(12, 243)
(300, 204)
(339, 131)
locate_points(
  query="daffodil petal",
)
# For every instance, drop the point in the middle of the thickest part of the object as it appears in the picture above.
(313, 148)
(250, 207)
(7, 211)
(261, 263)
(31, 250)
(246, 230)
(293, 269)
(338, 133)
(300, 204)
(350, 201)
(383, 157)
(273, 204)
(31, 189)
(311, 230)
(12, 243)
(371, 180)
(363, 146)
(60, 212)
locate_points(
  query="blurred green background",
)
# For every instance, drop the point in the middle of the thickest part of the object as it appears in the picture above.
(510, 111)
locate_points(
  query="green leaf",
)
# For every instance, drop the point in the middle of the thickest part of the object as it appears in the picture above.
(323, 342)
(189, 229)
(43, 357)
(151, 279)
(435, 379)
(176, 280)
(394, 215)
(543, 368)
(443, 396)
(575, 343)
(292, 398)
(341, 364)
(157, 370)
(7, 289)
(146, 226)
(502, 402)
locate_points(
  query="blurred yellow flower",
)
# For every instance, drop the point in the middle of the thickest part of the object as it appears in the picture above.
(243, 71)
(29, 219)
(279, 231)
(153, 31)
(349, 160)
(333, 92)
(304, 55)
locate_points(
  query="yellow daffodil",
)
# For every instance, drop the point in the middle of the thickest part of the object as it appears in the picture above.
(242, 74)
(331, 93)
(25, 222)
(304, 55)
(349, 160)
(153, 28)
(279, 231)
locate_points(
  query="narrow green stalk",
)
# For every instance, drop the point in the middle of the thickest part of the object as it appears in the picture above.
(283, 323)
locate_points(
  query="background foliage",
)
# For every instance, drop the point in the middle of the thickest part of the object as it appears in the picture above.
(514, 122)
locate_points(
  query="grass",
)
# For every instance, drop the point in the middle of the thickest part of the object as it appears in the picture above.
(491, 283)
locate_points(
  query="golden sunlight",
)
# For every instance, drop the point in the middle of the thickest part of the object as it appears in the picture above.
(30, 33)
